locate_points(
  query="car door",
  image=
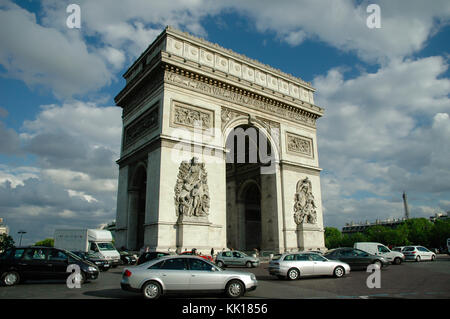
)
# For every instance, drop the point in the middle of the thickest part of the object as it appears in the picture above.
(321, 266)
(306, 265)
(33, 264)
(424, 253)
(58, 261)
(384, 252)
(238, 259)
(227, 258)
(175, 274)
(347, 256)
(204, 276)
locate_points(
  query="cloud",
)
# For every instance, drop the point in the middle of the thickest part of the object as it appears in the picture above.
(384, 133)
(46, 57)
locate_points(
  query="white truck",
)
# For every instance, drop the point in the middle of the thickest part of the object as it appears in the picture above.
(88, 240)
(378, 249)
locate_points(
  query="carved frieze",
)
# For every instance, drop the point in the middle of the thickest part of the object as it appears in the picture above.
(299, 145)
(191, 190)
(191, 117)
(241, 97)
(304, 206)
(228, 115)
(146, 123)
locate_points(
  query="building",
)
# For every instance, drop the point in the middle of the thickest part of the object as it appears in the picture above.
(439, 216)
(218, 150)
(352, 227)
(3, 228)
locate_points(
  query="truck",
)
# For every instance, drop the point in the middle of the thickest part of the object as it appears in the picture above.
(378, 249)
(98, 241)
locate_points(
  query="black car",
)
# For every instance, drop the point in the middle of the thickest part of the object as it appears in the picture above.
(357, 259)
(127, 258)
(149, 256)
(24, 263)
(94, 258)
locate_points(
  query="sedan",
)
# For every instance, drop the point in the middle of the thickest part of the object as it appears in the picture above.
(177, 274)
(147, 256)
(418, 253)
(236, 258)
(356, 258)
(296, 265)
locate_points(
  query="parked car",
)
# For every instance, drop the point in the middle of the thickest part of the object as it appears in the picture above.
(236, 258)
(398, 248)
(177, 274)
(195, 253)
(150, 255)
(378, 249)
(127, 258)
(356, 258)
(296, 265)
(418, 253)
(94, 258)
(24, 263)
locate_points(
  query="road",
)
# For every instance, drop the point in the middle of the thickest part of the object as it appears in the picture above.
(423, 280)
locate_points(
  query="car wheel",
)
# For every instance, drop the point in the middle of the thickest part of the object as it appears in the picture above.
(151, 290)
(418, 258)
(234, 289)
(433, 257)
(249, 264)
(293, 274)
(397, 261)
(339, 272)
(11, 278)
(220, 264)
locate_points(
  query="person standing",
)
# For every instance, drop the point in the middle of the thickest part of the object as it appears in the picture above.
(212, 252)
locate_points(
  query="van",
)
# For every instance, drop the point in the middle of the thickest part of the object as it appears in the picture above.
(378, 249)
(88, 240)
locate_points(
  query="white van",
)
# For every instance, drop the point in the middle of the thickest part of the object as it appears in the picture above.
(88, 240)
(378, 249)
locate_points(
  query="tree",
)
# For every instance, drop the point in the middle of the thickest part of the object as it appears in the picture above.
(333, 237)
(439, 233)
(419, 231)
(6, 242)
(48, 242)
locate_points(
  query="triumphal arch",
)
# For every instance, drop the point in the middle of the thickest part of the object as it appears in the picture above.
(218, 151)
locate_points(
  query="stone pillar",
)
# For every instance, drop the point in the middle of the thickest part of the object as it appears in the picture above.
(269, 212)
(309, 236)
(120, 234)
(133, 198)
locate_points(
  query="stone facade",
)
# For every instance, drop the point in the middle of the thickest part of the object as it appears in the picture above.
(183, 98)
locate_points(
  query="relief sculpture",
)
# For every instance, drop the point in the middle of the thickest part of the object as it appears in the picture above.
(191, 190)
(304, 207)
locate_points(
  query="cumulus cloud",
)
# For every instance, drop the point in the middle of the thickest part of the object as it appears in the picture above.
(384, 133)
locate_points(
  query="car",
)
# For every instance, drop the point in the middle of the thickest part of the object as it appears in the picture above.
(301, 264)
(418, 253)
(184, 273)
(356, 258)
(195, 253)
(34, 262)
(127, 258)
(236, 258)
(379, 249)
(149, 255)
(97, 259)
(398, 248)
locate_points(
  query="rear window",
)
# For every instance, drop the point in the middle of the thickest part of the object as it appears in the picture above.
(157, 265)
(289, 257)
(276, 257)
(409, 249)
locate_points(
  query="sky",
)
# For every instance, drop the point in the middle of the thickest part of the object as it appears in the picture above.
(385, 91)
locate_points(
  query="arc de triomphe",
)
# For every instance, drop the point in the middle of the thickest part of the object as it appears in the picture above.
(194, 116)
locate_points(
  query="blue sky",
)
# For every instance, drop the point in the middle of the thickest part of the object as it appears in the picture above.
(385, 92)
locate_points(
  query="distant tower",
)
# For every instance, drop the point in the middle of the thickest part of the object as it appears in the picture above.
(405, 203)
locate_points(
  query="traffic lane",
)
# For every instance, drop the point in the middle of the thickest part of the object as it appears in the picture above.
(408, 280)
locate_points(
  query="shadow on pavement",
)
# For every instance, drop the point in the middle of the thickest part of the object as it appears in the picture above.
(112, 293)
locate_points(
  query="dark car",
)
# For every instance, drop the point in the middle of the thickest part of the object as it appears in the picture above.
(24, 263)
(357, 259)
(127, 258)
(94, 258)
(149, 256)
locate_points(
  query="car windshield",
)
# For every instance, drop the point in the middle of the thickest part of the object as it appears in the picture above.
(105, 246)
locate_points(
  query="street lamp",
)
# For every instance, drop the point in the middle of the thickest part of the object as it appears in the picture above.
(21, 232)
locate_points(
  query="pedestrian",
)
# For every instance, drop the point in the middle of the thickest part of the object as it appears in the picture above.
(212, 252)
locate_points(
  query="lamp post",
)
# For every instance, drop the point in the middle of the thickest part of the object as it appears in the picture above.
(21, 232)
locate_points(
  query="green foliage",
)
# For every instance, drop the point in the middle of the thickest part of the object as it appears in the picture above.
(6, 242)
(416, 231)
(48, 242)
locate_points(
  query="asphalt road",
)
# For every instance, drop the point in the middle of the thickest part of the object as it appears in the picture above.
(410, 280)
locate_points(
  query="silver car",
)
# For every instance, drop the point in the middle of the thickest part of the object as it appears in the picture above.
(296, 265)
(171, 274)
(236, 258)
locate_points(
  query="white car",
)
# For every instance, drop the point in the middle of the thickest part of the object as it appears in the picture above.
(378, 249)
(418, 253)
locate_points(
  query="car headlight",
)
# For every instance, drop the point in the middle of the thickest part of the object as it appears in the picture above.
(92, 269)
(252, 277)
(98, 263)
